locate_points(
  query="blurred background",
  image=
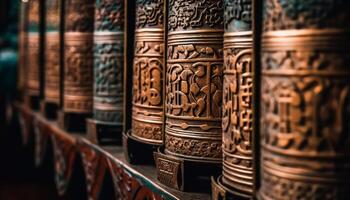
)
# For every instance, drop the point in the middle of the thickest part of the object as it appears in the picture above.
(19, 178)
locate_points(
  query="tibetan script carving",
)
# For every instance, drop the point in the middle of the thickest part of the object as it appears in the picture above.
(194, 80)
(52, 52)
(147, 110)
(237, 119)
(305, 100)
(78, 58)
(108, 61)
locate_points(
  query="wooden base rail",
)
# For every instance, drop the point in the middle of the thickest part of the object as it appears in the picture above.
(99, 162)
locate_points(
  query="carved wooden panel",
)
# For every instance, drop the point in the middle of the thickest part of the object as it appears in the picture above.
(78, 56)
(147, 110)
(52, 52)
(237, 119)
(108, 60)
(33, 85)
(305, 100)
(194, 79)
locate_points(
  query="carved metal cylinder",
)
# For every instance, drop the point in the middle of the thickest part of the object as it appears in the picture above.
(194, 80)
(305, 100)
(237, 119)
(33, 39)
(52, 52)
(147, 109)
(108, 61)
(78, 56)
(23, 46)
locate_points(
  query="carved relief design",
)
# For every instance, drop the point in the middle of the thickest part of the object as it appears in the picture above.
(33, 15)
(78, 72)
(52, 67)
(33, 64)
(64, 155)
(194, 94)
(149, 13)
(238, 15)
(109, 15)
(184, 14)
(79, 15)
(108, 76)
(305, 106)
(147, 110)
(52, 16)
(284, 15)
(237, 120)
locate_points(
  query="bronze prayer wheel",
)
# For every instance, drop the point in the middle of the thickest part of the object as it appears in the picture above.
(147, 108)
(78, 56)
(22, 46)
(52, 52)
(33, 39)
(237, 119)
(194, 80)
(108, 61)
(305, 100)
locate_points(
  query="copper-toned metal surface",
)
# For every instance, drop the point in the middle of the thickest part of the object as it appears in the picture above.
(52, 50)
(33, 86)
(194, 80)
(147, 109)
(108, 61)
(237, 119)
(78, 56)
(305, 100)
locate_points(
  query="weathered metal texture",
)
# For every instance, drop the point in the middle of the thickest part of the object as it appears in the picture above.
(33, 85)
(108, 61)
(52, 52)
(147, 109)
(194, 80)
(237, 119)
(78, 56)
(305, 100)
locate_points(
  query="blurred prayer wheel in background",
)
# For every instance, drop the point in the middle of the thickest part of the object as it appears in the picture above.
(305, 100)
(78, 63)
(52, 58)
(33, 62)
(108, 71)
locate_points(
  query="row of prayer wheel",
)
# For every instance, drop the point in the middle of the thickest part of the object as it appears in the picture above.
(257, 91)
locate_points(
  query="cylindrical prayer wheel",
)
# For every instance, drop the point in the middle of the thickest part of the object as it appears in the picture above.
(52, 52)
(33, 39)
(147, 108)
(78, 56)
(22, 46)
(305, 100)
(194, 80)
(108, 61)
(237, 119)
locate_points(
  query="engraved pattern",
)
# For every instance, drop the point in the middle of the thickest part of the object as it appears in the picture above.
(194, 80)
(184, 14)
(52, 67)
(147, 89)
(79, 15)
(108, 61)
(305, 101)
(238, 15)
(293, 14)
(78, 72)
(109, 15)
(78, 57)
(149, 13)
(147, 109)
